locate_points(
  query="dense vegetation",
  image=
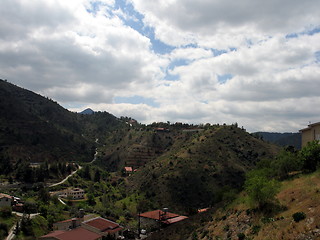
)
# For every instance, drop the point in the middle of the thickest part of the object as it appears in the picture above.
(34, 129)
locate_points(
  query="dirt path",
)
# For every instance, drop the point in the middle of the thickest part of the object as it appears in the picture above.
(64, 180)
(74, 172)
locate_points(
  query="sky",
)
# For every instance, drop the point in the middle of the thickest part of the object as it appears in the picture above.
(251, 62)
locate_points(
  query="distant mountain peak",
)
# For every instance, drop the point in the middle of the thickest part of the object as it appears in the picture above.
(87, 111)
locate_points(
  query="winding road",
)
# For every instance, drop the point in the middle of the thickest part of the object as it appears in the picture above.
(74, 172)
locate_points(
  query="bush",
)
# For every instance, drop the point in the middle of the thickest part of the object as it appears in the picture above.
(4, 227)
(260, 188)
(298, 216)
(241, 236)
(310, 156)
(6, 212)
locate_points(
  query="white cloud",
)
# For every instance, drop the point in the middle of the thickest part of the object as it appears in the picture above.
(72, 47)
(83, 53)
(227, 23)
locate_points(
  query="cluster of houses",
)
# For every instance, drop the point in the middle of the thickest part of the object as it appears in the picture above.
(97, 228)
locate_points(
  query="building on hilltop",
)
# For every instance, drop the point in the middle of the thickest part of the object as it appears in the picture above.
(311, 133)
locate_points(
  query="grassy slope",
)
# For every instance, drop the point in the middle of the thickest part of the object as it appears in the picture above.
(298, 195)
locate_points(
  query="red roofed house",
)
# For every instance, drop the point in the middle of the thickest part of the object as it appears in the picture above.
(74, 234)
(152, 220)
(5, 200)
(103, 227)
(128, 170)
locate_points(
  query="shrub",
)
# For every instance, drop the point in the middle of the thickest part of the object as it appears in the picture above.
(260, 188)
(4, 227)
(241, 236)
(256, 229)
(310, 156)
(298, 216)
(6, 212)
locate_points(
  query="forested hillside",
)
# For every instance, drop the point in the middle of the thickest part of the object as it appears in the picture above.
(36, 129)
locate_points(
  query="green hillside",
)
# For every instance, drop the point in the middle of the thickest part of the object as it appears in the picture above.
(37, 129)
(198, 169)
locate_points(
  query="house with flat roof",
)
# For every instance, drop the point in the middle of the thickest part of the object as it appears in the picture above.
(309, 134)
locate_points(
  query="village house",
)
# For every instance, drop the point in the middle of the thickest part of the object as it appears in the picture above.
(154, 219)
(128, 170)
(103, 226)
(79, 233)
(73, 193)
(93, 229)
(67, 224)
(311, 133)
(5, 200)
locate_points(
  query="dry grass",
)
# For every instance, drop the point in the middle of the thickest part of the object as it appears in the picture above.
(299, 195)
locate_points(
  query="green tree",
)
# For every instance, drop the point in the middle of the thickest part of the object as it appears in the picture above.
(285, 163)
(44, 195)
(86, 173)
(310, 156)
(97, 176)
(91, 200)
(261, 189)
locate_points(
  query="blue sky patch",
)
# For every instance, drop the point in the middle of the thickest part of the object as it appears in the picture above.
(218, 52)
(135, 21)
(136, 100)
(178, 62)
(310, 32)
(317, 54)
(224, 78)
(292, 35)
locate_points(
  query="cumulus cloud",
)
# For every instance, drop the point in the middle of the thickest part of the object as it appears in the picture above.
(251, 62)
(225, 23)
(64, 46)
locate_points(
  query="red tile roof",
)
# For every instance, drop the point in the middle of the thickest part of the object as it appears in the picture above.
(68, 220)
(53, 234)
(3, 195)
(128, 169)
(104, 225)
(75, 234)
(203, 210)
(156, 214)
